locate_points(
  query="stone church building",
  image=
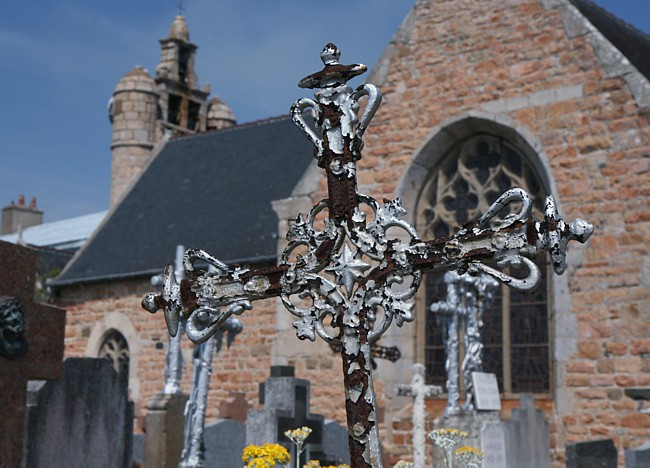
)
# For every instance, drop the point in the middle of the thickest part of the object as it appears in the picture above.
(549, 95)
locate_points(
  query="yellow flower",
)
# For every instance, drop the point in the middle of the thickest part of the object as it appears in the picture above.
(316, 464)
(264, 456)
(447, 438)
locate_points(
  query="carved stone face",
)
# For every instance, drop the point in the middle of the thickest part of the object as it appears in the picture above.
(12, 328)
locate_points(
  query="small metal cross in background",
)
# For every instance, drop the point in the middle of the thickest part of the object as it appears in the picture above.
(419, 391)
(343, 276)
(467, 298)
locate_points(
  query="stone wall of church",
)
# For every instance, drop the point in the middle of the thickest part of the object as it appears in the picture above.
(93, 310)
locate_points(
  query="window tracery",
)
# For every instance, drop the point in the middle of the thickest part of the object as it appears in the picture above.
(467, 180)
(115, 349)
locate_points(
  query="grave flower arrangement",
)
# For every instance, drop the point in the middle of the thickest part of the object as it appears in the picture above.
(265, 456)
(270, 455)
(316, 464)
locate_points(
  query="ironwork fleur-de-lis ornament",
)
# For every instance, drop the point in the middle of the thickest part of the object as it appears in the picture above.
(342, 275)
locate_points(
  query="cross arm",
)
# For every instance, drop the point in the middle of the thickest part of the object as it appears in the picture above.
(216, 291)
(511, 241)
(428, 391)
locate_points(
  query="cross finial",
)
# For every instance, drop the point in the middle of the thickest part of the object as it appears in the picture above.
(180, 8)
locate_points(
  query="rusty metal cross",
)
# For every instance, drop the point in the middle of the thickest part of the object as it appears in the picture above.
(342, 275)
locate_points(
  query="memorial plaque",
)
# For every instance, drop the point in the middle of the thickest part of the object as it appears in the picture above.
(486, 391)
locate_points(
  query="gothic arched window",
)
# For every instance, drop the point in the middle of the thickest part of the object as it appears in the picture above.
(465, 182)
(115, 348)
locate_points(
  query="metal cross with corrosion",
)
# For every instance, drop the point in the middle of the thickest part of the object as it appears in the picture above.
(467, 298)
(341, 265)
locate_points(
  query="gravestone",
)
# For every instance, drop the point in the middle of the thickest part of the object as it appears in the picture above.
(493, 444)
(528, 435)
(137, 458)
(163, 442)
(335, 444)
(593, 454)
(286, 406)
(638, 457)
(83, 419)
(234, 406)
(31, 345)
(224, 442)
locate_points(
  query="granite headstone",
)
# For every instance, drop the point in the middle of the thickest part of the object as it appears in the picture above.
(163, 442)
(83, 419)
(224, 442)
(286, 406)
(593, 454)
(638, 457)
(528, 436)
(493, 444)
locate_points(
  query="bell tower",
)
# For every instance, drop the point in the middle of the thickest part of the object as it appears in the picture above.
(144, 110)
(184, 105)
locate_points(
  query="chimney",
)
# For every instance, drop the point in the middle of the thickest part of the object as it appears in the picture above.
(18, 216)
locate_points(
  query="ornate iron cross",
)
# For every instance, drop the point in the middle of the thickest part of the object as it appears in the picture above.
(467, 297)
(342, 275)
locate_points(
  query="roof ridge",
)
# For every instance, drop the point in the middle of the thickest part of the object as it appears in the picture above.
(629, 40)
(253, 123)
(612, 16)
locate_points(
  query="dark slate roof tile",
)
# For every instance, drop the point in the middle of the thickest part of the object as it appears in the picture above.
(211, 191)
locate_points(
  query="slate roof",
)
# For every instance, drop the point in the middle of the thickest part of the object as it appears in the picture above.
(632, 43)
(211, 191)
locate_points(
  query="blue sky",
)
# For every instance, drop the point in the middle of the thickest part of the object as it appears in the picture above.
(62, 59)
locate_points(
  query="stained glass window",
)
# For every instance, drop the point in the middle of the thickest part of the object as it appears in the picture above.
(515, 332)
